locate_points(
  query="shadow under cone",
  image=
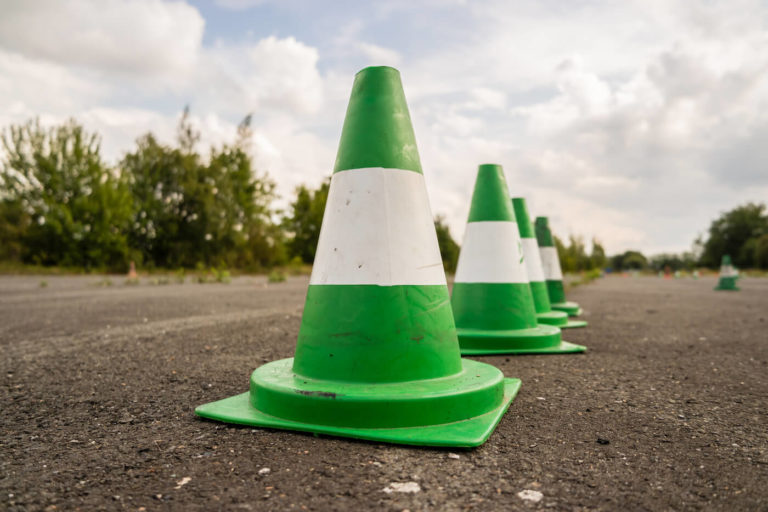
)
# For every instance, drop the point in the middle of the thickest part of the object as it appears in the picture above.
(377, 355)
(492, 301)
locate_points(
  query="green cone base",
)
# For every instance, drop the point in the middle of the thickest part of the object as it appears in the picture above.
(571, 308)
(574, 324)
(460, 411)
(543, 339)
(727, 284)
(559, 319)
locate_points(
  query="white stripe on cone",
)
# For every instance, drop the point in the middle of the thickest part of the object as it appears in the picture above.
(533, 260)
(378, 229)
(491, 253)
(728, 271)
(551, 264)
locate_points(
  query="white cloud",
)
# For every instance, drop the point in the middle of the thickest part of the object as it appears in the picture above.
(140, 36)
(273, 74)
(29, 87)
(120, 127)
(652, 126)
(114, 72)
(378, 55)
(484, 97)
(635, 122)
(239, 5)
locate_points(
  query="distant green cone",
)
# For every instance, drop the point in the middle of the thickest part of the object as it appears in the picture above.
(728, 275)
(552, 271)
(492, 301)
(544, 312)
(377, 355)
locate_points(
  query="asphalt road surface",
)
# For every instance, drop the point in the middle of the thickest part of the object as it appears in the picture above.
(668, 410)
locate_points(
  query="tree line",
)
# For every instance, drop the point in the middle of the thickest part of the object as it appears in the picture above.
(161, 206)
(741, 232)
(170, 206)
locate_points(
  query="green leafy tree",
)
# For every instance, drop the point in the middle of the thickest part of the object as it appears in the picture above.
(629, 260)
(597, 259)
(14, 223)
(574, 256)
(305, 219)
(240, 219)
(189, 211)
(736, 233)
(449, 249)
(69, 208)
(684, 261)
(166, 219)
(761, 252)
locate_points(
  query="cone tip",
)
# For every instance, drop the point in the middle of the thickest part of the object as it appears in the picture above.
(377, 130)
(369, 69)
(489, 166)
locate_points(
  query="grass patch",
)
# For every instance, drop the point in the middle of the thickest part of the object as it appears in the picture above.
(15, 268)
(213, 275)
(276, 276)
(586, 277)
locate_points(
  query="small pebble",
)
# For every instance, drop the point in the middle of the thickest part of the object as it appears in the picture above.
(405, 487)
(530, 495)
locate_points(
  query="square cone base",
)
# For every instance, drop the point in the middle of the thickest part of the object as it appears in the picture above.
(564, 348)
(542, 339)
(559, 319)
(571, 308)
(727, 284)
(466, 433)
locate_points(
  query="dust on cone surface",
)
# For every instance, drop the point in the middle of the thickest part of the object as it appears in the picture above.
(728, 275)
(544, 312)
(492, 301)
(377, 355)
(552, 271)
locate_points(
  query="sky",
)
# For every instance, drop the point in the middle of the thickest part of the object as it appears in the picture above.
(634, 122)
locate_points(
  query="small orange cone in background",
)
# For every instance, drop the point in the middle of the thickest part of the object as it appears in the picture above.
(132, 271)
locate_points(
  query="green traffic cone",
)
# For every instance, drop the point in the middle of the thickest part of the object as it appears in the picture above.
(728, 275)
(491, 299)
(544, 312)
(552, 271)
(377, 355)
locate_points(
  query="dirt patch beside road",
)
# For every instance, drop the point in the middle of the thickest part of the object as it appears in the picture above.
(667, 410)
